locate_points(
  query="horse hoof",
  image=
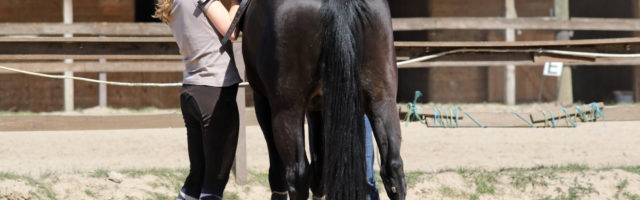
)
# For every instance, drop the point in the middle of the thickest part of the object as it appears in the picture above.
(279, 196)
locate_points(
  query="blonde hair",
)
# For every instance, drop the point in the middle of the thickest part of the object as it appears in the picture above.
(163, 9)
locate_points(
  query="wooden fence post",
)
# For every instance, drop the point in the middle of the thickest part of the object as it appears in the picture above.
(67, 10)
(240, 166)
(510, 70)
(565, 85)
(102, 87)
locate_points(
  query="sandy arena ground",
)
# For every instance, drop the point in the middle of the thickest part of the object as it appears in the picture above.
(68, 164)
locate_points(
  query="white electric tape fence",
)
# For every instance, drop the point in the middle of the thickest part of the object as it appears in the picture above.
(419, 59)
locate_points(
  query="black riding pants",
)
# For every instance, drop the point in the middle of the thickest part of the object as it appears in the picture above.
(211, 117)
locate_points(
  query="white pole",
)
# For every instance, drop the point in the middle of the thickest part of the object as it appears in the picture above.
(510, 70)
(67, 10)
(102, 88)
(565, 85)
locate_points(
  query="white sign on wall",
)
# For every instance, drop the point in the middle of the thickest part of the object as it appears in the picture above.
(553, 69)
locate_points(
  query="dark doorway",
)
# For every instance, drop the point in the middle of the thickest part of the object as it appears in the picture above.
(144, 11)
(597, 83)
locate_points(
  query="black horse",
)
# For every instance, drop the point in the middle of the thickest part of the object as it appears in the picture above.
(335, 61)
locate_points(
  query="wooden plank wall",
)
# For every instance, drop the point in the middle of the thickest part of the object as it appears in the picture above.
(467, 84)
(470, 84)
(527, 77)
(46, 94)
(636, 83)
(30, 11)
(51, 10)
(636, 69)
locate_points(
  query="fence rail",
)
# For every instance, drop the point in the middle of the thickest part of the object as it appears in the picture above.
(130, 54)
(399, 24)
(525, 23)
(136, 47)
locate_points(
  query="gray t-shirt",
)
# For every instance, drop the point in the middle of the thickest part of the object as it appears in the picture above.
(206, 63)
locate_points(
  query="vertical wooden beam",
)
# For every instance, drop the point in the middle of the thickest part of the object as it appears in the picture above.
(636, 83)
(636, 69)
(240, 166)
(510, 70)
(68, 91)
(67, 17)
(67, 12)
(102, 90)
(565, 85)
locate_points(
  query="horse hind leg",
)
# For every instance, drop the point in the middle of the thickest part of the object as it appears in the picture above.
(316, 145)
(288, 137)
(277, 181)
(385, 122)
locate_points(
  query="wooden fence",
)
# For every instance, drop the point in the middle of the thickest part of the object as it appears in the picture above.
(148, 47)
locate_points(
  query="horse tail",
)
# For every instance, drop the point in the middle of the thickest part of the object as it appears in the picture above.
(343, 116)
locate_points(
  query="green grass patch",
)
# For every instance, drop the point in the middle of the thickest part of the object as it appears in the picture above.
(412, 178)
(159, 196)
(172, 178)
(99, 173)
(575, 192)
(261, 178)
(41, 187)
(230, 196)
(484, 181)
(91, 193)
(570, 168)
(621, 186)
(447, 191)
(631, 196)
(9, 176)
(634, 169)
(521, 179)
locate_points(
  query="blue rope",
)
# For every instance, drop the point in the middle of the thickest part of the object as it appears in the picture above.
(450, 118)
(445, 117)
(568, 119)
(435, 117)
(553, 119)
(456, 112)
(412, 110)
(415, 112)
(406, 118)
(474, 120)
(440, 118)
(417, 95)
(523, 119)
(584, 117)
(598, 112)
(546, 121)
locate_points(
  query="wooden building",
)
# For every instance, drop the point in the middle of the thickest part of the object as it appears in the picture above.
(439, 84)
(486, 84)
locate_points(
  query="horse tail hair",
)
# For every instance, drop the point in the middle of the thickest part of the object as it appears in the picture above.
(343, 116)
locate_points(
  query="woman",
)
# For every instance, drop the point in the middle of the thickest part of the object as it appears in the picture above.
(208, 94)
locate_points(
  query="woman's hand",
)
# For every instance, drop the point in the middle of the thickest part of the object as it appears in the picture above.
(221, 18)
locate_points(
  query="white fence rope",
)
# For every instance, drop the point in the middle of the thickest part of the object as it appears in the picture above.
(99, 81)
(414, 60)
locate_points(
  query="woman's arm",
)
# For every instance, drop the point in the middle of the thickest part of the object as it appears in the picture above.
(221, 18)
